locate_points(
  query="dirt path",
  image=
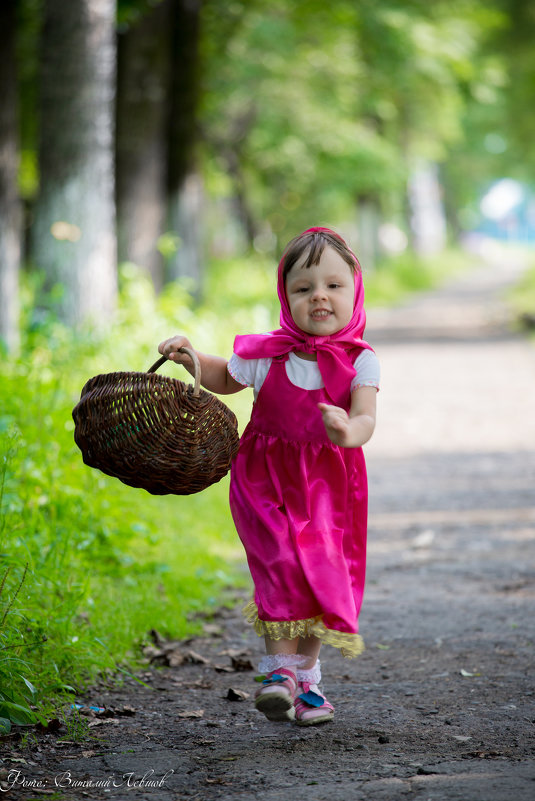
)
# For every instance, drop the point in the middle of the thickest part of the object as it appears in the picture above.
(441, 705)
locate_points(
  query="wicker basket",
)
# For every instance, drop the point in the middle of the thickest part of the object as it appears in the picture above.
(155, 432)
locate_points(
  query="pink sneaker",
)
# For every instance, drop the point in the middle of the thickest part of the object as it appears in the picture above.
(311, 706)
(276, 696)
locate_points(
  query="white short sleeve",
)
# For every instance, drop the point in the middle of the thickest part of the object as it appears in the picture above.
(249, 372)
(368, 371)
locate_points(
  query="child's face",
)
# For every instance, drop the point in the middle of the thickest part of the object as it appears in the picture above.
(321, 296)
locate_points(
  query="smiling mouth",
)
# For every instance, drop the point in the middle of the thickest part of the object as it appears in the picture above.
(320, 314)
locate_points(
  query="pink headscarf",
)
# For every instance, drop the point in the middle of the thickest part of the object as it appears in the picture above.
(336, 353)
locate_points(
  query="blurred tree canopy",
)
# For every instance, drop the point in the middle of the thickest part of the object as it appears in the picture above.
(212, 126)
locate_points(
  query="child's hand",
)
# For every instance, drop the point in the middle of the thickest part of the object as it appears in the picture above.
(336, 422)
(170, 349)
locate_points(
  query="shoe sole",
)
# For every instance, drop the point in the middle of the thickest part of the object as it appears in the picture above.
(314, 721)
(276, 706)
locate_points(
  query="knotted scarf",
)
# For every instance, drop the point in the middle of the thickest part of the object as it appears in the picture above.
(336, 353)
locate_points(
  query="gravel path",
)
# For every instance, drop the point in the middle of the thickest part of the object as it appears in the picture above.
(441, 705)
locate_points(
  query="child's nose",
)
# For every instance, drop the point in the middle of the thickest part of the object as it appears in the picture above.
(319, 293)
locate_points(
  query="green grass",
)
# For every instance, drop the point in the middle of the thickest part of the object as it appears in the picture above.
(105, 563)
(397, 277)
(522, 301)
(92, 565)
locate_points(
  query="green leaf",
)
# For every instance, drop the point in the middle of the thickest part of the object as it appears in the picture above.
(17, 714)
(29, 685)
(5, 726)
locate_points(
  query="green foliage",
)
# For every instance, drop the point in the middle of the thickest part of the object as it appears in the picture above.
(307, 107)
(105, 562)
(281, 113)
(16, 691)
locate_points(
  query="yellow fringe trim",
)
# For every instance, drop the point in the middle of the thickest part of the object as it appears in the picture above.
(350, 645)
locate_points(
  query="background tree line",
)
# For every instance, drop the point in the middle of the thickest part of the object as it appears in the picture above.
(167, 132)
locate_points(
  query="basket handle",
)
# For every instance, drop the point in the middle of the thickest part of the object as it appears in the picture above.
(196, 365)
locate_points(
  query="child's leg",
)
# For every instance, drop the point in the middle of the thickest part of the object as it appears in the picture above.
(311, 706)
(276, 696)
(309, 647)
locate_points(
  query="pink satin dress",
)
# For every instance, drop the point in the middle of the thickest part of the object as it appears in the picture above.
(299, 504)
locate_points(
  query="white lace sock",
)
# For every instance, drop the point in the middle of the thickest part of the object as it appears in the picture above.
(272, 662)
(311, 676)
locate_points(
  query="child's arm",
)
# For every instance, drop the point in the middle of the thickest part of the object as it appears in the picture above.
(354, 429)
(214, 374)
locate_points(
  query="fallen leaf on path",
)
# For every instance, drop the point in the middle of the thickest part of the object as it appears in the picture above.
(117, 712)
(487, 754)
(467, 674)
(234, 652)
(423, 540)
(50, 726)
(237, 695)
(212, 629)
(194, 713)
(171, 655)
(194, 658)
(240, 664)
(239, 661)
(199, 684)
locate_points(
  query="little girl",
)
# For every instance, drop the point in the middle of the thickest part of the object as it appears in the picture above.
(298, 490)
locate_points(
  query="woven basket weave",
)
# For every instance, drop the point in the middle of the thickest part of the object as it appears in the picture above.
(155, 432)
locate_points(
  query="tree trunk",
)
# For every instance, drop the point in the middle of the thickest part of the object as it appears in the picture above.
(185, 184)
(368, 219)
(428, 222)
(144, 71)
(74, 224)
(10, 208)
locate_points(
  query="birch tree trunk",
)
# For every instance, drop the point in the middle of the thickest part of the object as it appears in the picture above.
(144, 71)
(368, 219)
(10, 207)
(73, 234)
(185, 202)
(428, 222)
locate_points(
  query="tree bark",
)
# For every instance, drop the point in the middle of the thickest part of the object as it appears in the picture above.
(368, 219)
(428, 222)
(73, 235)
(184, 183)
(144, 71)
(10, 207)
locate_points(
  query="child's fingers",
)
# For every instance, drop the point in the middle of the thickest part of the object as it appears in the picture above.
(337, 423)
(334, 418)
(179, 358)
(334, 412)
(170, 347)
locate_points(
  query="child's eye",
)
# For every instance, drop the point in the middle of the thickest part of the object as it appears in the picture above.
(334, 286)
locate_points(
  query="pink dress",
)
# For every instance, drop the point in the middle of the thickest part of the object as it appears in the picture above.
(299, 504)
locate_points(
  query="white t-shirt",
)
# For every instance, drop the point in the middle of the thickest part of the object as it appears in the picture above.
(303, 373)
